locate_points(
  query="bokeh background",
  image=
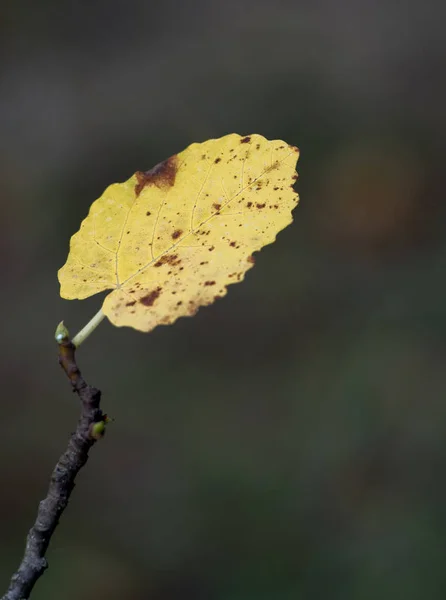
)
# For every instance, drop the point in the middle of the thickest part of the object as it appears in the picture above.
(289, 441)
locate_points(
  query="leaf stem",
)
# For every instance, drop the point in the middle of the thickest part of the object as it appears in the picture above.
(88, 329)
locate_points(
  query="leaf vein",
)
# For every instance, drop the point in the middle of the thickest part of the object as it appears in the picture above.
(179, 243)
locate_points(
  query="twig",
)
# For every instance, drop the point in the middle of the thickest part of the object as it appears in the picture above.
(90, 428)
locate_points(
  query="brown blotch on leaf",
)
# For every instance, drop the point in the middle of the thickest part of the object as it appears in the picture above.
(176, 234)
(216, 206)
(249, 204)
(261, 205)
(275, 165)
(245, 140)
(209, 283)
(251, 259)
(150, 298)
(217, 160)
(131, 303)
(167, 259)
(162, 175)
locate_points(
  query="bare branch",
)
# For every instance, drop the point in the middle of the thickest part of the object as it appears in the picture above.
(62, 480)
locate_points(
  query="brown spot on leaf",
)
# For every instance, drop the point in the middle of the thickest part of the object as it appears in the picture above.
(251, 259)
(167, 259)
(193, 308)
(162, 175)
(275, 165)
(148, 213)
(131, 303)
(150, 298)
(176, 234)
(233, 244)
(217, 160)
(216, 206)
(209, 283)
(261, 205)
(245, 140)
(249, 204)
(211, 248)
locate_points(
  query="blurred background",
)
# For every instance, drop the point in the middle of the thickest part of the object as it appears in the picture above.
(289, 441)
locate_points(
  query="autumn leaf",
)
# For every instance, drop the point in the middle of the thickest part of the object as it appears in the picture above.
(171, 239)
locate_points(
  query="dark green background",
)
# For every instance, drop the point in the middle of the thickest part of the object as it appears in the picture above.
(289, 441)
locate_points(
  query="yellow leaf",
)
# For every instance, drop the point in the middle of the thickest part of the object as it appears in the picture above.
(171, 239)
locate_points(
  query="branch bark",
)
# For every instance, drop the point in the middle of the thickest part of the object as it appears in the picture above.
(62, 480)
